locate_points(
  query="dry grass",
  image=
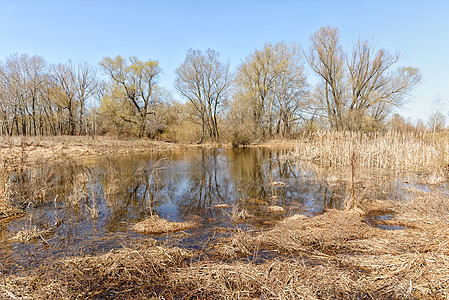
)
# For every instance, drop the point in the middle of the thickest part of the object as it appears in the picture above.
(31, 233)
(156, 225)
(276, 209)
(415, 152)
(56, 148)
(353, 259)
(425, 206)
(238, 215)
(62, 147)
(327, 233)
(6, 207)
(337, 255)
(128, 273)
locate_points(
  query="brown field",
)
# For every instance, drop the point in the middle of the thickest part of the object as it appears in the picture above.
(63, 147)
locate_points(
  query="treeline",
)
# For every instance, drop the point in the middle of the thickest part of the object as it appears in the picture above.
(267, 96)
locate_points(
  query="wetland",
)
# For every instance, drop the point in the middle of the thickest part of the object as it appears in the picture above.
(248, 222)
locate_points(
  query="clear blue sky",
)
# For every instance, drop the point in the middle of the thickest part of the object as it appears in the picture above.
(164, 30)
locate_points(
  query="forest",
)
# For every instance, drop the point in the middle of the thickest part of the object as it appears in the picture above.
(269, 95)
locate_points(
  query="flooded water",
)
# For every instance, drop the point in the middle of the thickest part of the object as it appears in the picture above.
(88, 208)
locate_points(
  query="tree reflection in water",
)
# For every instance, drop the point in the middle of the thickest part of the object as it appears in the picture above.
(92, 206)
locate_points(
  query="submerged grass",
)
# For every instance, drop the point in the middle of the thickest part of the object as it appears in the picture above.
(336, 255)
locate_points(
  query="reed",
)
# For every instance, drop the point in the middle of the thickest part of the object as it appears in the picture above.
(336, 255)
(401, 151)
(4, 187)
(7, 208)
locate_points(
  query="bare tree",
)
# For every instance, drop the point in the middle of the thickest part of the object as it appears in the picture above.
(437, 119)
(290, 90)
(327, 60)
(15, 94)
(204, 81)
(86, 87)
(256, 79)
(373, 87)
(65, 93)
(35, 77)
(363, 88)
(273, 80)
(137, 79)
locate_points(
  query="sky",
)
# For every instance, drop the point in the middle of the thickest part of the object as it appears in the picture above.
(87, 31)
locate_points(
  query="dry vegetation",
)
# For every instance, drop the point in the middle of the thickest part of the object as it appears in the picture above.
(398, 151)
(156, 225)
(331, 256)
(7, 209)
(31, 233)
(336, 255)
(63, 147)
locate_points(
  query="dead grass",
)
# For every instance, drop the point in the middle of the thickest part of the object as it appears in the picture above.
(128, 273)
(327, 233)
(7, 209)
(415, 152)
(156, 225)
(31, 233)
(336, 255)
(75, 147)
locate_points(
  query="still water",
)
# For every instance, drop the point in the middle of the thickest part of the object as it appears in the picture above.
(89, 207)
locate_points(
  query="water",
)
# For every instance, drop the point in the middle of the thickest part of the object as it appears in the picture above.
(90, 206)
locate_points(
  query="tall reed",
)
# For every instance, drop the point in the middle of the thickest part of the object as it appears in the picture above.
(402, 151)
(4, 188)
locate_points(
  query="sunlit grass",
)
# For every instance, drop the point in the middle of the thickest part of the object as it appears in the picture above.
(401, 151)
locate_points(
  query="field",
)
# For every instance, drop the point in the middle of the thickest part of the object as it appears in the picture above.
(338, 254)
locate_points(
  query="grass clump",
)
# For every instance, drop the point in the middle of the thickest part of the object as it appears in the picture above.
(156, 225)
(31, 233)
(128, 273)
(336, 255)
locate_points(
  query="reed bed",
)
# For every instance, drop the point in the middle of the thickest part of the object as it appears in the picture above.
(312, 262)
(7, 209)
(5, 204)
(401, 151)
(336, 255)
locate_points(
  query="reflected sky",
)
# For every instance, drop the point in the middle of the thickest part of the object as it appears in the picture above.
(91, 206)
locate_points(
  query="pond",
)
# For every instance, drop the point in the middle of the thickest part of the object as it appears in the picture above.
(88, 208)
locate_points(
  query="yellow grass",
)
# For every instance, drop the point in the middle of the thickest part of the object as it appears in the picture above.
(337, 255)
(6, 207)
(63, 147)
(404, 151)
(31, 233)
(156, 225)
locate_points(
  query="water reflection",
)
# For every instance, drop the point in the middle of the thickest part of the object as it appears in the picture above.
(91, 206)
